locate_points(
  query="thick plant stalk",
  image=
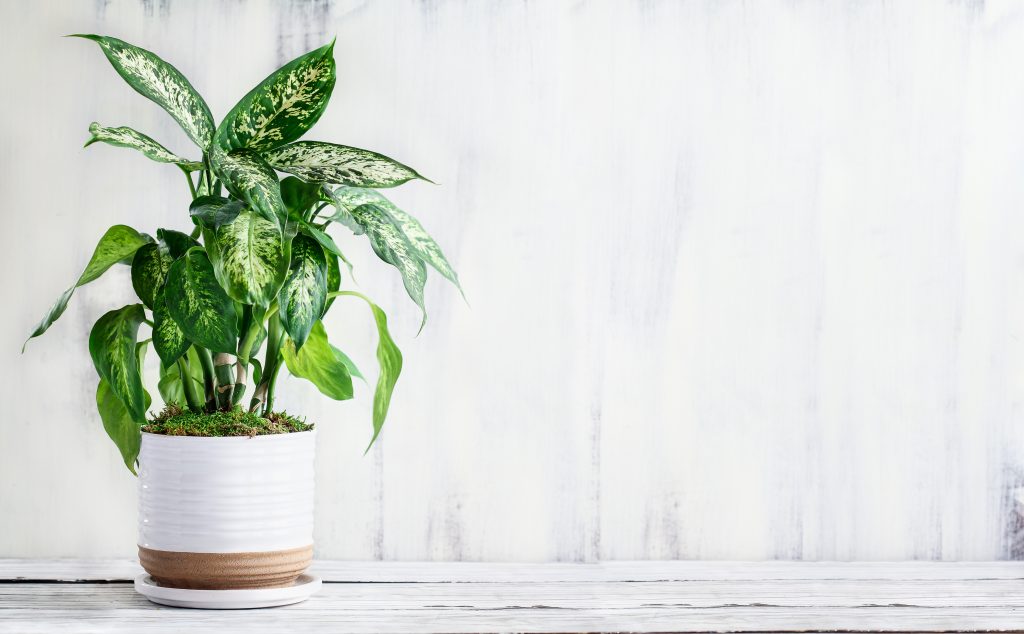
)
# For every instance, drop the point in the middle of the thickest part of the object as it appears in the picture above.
(209, 378)
(241, 377)
(191, 397)
(222, 366)
(264, 395)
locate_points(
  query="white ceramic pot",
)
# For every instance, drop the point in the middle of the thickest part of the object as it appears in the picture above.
(219, 513)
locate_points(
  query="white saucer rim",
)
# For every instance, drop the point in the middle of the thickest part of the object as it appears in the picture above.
(305, 586)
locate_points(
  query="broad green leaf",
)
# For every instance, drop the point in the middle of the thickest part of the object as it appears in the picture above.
(149, 270)
(326, 241)
(333, 278)
(118, 243)
(129, 138)
(118, 423)
(389, 358)
(320, 162)
(320, 363)
(249, 178)
(214, 211)
(158, 81)
(283, 106)
(304, 293)
(177, 243)
(391, 245)
(250, 258)
(198, 304)
(299, 196)
(112, 348)
(168, 339)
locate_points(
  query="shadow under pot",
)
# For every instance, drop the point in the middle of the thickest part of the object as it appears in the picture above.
(226, 513)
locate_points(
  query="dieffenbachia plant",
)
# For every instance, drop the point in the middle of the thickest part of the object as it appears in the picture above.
(255, 276)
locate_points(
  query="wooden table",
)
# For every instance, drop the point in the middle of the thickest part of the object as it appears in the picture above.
(67, 596)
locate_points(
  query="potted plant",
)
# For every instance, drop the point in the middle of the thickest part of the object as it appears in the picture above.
(226, 481)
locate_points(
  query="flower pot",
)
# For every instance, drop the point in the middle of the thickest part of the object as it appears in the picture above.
(226, 513)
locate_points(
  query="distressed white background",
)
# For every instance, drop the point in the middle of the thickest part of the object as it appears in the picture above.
(746, 278)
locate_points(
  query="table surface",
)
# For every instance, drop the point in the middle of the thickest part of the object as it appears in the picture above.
(70, 596)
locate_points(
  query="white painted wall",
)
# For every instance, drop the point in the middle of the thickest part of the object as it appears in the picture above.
(746, 278)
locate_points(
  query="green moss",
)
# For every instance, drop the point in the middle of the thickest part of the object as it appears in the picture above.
(175, 421)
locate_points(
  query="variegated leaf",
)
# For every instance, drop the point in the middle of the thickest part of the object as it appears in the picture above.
(120, 242)
(198, 304)
(129, 138)
(168, 339)
(214, 211)
(320, 363)
(391, 245)
(250, 258)
(162, 83)
(176, 242)
(333, 278)
(118, 423)
(345, 201)
(300, 196)
(149, 270)
(249, 178)
(112, 348)
(304, 293)
(326, 241)
(320, 162)
(283, 106)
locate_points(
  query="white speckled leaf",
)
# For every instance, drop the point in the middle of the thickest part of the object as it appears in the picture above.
(304, 294)
(283, 106)
(391, 245)
(162, 83)
(112, 348)
(249, 178)
(316, 161)
(168, 338)
(198, 304)
(250, 257)
(133, 139)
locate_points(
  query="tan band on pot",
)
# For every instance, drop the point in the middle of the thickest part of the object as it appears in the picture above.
(225, 571)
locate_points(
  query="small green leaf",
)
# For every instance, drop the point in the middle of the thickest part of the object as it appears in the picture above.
(249, 178)
(250, 258)
(320, 162)
(320, 363)
(158, 81)
(168, 339)
(118, 423)
(198, 304)
(170, 386)
(283, 106)
(149, 270)
(135, 140)
(177, 243)
(299, 196)
(213, 211)
(391, 245)
(120, 242)
(112, 348)
(326, 241)
(304, 293)
(333, 278)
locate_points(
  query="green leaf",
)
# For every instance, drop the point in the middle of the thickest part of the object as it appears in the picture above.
(213, 211)
(170, 386)
(177, 243)
(129, 138)
(168, 339)
(320, 363)
(304, 293)
(118, 423)
(158, 81)
(333, 278)
(389, 358)
(112, 348)
(249, 178)
(391, 245)
(250, 258)
(326, 241)
(198, 304)
(299, 196)
(319, 162)
(149, 270)
(118, 243)
(283, 106)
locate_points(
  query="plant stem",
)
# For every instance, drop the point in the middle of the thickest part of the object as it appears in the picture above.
(191, 186)
(189, 387)
(264, 394)
(222, 365)
(209, 378)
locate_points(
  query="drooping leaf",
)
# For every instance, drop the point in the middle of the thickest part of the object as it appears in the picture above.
(168, 338)
(304, 293)
(391, 245)
(117, 244)
(112, 348)
(119, 424)
(177, 243)
(389, 358)
(250, 258)
(214, 211)
(133, 139)
(149, 270)
(320, 363)
(283, 106)
(320, 162)
(198, 304)
(249, 178)
(158, 81)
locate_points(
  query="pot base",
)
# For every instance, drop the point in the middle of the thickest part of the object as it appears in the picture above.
(300, 590)
(226, 571)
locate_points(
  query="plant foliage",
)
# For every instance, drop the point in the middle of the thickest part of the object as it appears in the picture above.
(244, 294)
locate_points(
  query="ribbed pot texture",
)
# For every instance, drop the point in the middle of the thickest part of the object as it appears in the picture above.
(220, 513)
